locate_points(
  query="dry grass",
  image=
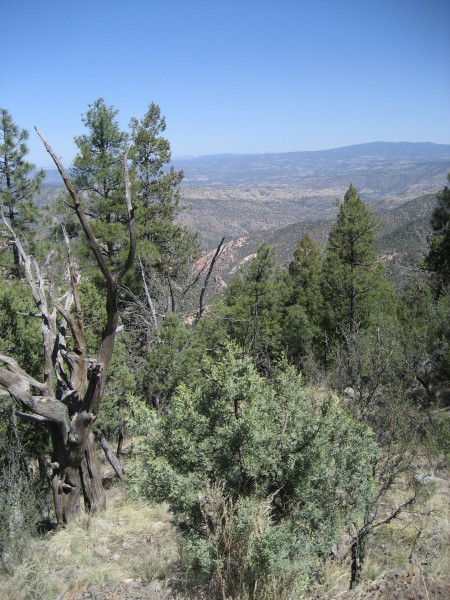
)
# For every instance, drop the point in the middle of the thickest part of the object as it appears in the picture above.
(130, 542)
(132, 551)
(419, 538)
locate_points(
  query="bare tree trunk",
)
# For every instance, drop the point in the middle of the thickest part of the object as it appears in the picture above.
(76, 474)
(357, 560)
(71, 411)
(148, 296)
(91, 478)
(120, 441)
(201, 307)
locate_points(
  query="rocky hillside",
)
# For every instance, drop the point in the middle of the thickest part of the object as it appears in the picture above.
(281, 197)
(401, 239)
(237, 196)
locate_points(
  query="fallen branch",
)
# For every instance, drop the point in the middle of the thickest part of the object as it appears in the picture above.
(112, 458)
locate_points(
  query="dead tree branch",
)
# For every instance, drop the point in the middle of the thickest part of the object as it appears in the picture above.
(201, 308)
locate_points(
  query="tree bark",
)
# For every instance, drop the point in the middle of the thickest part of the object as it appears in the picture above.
(76, 472)
(357, 560)
(68, 400)
(201, 307)
(91, 478)
(120, 441)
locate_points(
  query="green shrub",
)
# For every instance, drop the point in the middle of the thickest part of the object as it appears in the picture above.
(261, 476)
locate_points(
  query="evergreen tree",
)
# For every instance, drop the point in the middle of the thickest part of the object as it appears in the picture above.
(98, 175)
(19, 183)
(305, 272)
(260, 476)
(157, 189)
(254, 307)
(353, 279)
(303, 316)
(424, 335)
(438, 258)
(167, 250)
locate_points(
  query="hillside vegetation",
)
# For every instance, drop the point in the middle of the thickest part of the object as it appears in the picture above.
(401, 238)
(274, 417)
(133, 552)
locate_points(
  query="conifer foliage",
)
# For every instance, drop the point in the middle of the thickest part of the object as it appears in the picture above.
(260, 476)
(19, 181)
(353, 277)
(262, 473)
(438, 258)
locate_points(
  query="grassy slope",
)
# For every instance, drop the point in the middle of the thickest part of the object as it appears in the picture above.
(131, 544)
(131, 552)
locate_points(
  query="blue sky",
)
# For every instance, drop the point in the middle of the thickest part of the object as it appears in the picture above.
(239, 76)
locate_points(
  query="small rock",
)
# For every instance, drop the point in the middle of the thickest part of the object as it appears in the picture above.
(429, 479)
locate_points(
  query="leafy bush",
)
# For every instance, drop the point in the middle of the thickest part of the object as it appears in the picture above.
(260, 476)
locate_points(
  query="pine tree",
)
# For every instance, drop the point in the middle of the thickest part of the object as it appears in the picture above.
(157, 188)
(255, 304)
(164, 246)
(438, 258)
(98, 175)
(19, 182)
(305, 272)
(304, 313)
(165, 249)
(353, 279)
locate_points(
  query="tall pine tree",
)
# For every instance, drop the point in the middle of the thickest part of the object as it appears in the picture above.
(353, 280)
(438, 258)
(166, 250)
(98, 174)
(254, 307)
(164, 247)
(304, 313)
(19, 181)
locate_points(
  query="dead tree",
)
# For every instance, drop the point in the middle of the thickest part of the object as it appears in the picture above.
(68, 398)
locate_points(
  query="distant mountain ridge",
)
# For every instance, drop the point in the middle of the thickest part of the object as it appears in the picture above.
(279, 197)
(385, 149)
(376, 169)
(241, 195)
(219, 169)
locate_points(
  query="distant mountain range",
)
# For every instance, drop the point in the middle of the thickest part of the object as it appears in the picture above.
(282, 168)
(237, 196)
(364, 162)
(279, 197)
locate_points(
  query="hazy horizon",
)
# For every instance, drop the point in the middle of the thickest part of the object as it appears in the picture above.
(233, 77)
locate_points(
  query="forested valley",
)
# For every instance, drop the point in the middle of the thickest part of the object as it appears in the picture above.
(284, 435)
